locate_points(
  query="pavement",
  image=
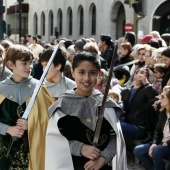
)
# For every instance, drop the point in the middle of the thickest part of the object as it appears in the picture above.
(133, 164)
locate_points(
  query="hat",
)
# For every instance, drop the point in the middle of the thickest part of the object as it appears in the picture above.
(80, 43)
(146, 38)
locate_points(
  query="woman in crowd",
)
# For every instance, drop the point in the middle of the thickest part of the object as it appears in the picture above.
(152, 155)
(107, 45)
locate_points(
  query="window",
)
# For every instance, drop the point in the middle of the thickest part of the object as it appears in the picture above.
(93, 20)
(35, 24)
(70, 21)
(51, 22)
(81, 21)
(60, 21)
(43, 23)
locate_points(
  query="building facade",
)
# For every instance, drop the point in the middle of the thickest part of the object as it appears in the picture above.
(74, 19)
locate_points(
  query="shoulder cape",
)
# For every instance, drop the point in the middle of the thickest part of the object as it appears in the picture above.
(37, 124)
(57, 146)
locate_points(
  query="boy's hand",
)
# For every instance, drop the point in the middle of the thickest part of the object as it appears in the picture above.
(15, 131)
(23, 124)
(95, 164)
(90, 152)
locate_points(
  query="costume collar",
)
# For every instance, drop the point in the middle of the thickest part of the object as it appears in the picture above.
(18, 92)
(70, 102)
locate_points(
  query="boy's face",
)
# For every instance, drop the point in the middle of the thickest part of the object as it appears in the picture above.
(166, 60)
(85, 76)
(158, 74)
(123, 51)
(53, 71)
(21, 69)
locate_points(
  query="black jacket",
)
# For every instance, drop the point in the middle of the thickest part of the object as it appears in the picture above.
(166, 78)
(107, 55)
(158, 133)
(136, 109)
(126, 59)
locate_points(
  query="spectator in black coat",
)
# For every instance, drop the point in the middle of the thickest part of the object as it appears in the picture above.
(107, 45)
(135, 101)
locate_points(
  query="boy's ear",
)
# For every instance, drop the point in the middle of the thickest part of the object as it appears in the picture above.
(58, 66)
(10, 64)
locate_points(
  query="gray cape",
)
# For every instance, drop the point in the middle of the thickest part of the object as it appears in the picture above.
(72, 104)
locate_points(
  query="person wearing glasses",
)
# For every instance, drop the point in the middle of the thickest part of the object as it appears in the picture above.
(152, 155)
(135, 100)
(141, 63)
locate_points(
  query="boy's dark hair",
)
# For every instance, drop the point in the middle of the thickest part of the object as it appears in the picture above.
(166, 52)
(153, 43)
(18, 52)
(160, 67)
(60, 57)
(35, 38)
(67, 43)
(39, 36)
(131, 37)
(106, 38)
(86, 56)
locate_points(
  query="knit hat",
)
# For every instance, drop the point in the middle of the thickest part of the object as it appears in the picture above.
(80, 43)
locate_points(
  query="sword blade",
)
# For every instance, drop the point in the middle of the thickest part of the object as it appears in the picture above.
(101, 111)
(37, 88)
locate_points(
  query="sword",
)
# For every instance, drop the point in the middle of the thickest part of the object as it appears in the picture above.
(37, 88)
(101, 111)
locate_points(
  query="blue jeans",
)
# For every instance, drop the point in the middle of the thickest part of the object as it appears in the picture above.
(132, 132)
(158, 154)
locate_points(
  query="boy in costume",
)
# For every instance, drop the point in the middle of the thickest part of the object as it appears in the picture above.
(58, 83)
(22, 142)
(75, 115)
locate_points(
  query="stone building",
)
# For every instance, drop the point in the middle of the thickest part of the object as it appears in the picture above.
(85, 18)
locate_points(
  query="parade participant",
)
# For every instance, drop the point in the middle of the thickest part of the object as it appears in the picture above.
(76, 113)
(58, 83)
(22, 142)
(152, 155)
